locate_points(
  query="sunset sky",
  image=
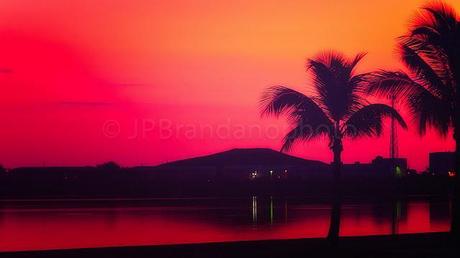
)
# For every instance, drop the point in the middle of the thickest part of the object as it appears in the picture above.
(143, 82)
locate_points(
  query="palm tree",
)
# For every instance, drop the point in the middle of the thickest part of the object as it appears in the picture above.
(335, 109)
(430, 88)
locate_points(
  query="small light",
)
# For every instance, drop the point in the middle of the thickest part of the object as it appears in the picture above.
(451, 173)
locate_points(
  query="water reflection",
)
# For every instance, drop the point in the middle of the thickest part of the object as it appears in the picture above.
(396, 217)
(271, 210)
(32, 226)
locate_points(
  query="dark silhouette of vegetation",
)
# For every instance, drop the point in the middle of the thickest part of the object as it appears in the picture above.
(431, 53)
(226, 173)
(335, 109)
(109, 166)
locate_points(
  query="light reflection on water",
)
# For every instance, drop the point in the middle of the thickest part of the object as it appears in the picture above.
(44, 226)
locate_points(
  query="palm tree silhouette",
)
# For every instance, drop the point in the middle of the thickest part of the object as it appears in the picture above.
(431, 53)
(335, 109)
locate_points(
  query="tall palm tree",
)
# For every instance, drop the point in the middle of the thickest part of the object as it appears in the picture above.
(335, 109)
(430, 88)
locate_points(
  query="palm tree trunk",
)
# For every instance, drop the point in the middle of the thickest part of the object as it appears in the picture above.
(455, 226)
(334, 228)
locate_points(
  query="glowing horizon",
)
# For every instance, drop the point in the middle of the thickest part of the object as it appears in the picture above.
(69, 69)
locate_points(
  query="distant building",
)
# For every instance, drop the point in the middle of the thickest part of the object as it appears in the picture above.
(390, 167)
(379, 167)
(442, 163)
(358, 169)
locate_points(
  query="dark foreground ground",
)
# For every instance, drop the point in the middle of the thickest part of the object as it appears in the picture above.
(417, 245)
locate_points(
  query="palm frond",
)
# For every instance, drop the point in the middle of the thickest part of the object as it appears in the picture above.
(442, 15)
(278, 100)
(432, 111)
(427, 108)
(429, 73)
(436, 25)
(392, 83)
(332, 78)
(352, 65)
(425, 30)
(431, 54)
(306, 126)
(307, 117)
(368, 121)
(421, 46)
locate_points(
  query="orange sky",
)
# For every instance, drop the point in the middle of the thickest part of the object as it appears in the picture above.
(71, 66)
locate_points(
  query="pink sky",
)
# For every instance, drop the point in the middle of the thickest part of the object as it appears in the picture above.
(85, 81)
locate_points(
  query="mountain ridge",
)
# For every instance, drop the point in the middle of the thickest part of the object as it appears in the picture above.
(244, 157)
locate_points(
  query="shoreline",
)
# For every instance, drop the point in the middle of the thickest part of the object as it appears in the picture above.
(410, 245)
(314, 197)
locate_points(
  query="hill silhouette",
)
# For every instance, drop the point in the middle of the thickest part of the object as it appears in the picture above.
(235, 172)
(245, 157)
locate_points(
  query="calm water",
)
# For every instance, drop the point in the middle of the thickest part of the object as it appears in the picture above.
(38, 225)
